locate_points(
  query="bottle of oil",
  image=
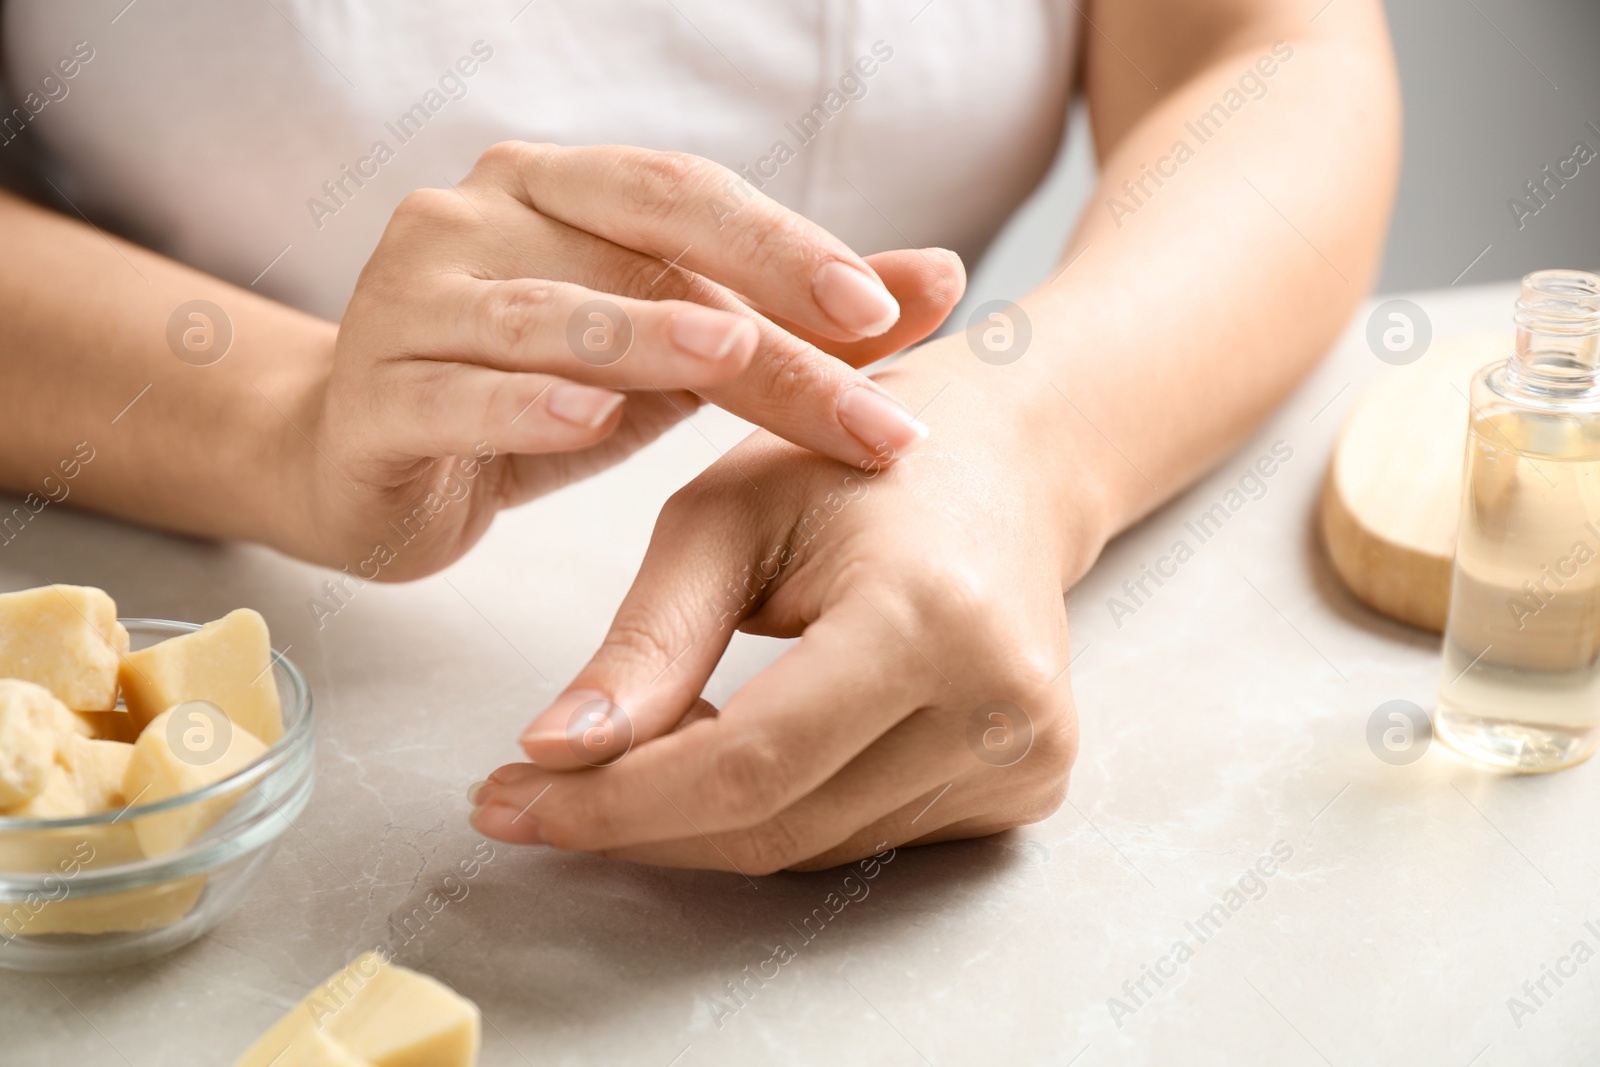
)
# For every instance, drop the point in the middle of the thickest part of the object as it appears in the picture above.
(1520, 688)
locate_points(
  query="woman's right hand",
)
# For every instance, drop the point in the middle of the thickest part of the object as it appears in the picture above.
(561, 307)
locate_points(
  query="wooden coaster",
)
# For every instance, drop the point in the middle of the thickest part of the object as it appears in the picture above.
(1393, 491)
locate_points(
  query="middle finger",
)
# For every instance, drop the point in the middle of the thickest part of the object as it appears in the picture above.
(692, 211)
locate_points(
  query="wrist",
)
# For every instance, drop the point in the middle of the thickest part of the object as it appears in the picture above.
(299, 472)
(1014, 418)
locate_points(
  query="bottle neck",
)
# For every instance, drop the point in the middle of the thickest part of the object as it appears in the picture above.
(1557, 354)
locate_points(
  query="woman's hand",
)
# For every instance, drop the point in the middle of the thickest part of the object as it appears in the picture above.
(563, 306)
(927, 697)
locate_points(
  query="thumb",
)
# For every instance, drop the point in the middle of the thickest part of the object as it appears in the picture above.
(691, 592)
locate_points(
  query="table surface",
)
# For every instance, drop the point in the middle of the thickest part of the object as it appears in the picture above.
(1225, 717)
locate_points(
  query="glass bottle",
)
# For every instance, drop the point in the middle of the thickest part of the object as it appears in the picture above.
(1520, 686)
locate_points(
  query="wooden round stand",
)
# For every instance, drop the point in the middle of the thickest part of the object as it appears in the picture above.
(1393, 490)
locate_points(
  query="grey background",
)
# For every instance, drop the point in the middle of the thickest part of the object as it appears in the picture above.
(1494, 90)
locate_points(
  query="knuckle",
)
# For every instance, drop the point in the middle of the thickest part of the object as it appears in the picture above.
(946, 605)
(504, 398)
(663, 182)
(428, 205)
(1028, 675)
(638, 638)
(427, 387)
(770, 240)
(682, 507)
(1055, 744)
(581, 829)
(641, 276)
(794, 375)
(952, 590)
(748, 780)
(655, 278)
(767, 849)
(1045, 800)
(510, 313)
(957, 600)
(504, 156)
(716, 499)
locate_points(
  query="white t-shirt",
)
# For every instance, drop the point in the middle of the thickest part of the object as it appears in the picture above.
(268, 141)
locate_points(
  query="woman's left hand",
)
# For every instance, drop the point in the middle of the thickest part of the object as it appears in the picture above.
(927, 698)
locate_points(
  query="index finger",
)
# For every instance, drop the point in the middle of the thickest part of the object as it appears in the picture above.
(706, 218)
(783, 734)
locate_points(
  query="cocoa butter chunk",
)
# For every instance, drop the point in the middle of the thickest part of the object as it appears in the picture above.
(58, 799)
(83, 777)
(34, 727)
(65, 638)
(184, 749)
(72, 792)
(97, 769)
(227, 662)
(115, 725)
(150, 907)
(373, 1014)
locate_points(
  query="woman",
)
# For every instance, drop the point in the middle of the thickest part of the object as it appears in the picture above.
(502, 333)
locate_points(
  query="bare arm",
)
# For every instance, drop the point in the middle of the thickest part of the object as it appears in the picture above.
(1248, 166)
(457, 383)
(83, 335)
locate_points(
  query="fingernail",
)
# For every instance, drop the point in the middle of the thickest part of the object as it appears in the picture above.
(512, 773)
(710, 334)
(474, 791)
(583, 726)
(879, 421)
(854, 300)
(552, 723)
(581, 405)
(504, 823)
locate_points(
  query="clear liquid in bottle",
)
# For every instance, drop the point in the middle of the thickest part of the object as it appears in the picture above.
(1520, 684)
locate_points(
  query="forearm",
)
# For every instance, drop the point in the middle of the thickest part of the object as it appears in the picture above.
(1178, 323)
(86, 369)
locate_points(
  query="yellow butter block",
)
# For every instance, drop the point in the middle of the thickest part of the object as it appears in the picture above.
(98, 769)
(115, 725)
(65, 638)
(319, 1050)
(146, 908)
(373, 1013)
(96, 845)
(33, 727)
(84, 776)
(227, 662)
(85, 779)
(90, 783)
(65, 851)
(65, 796)
(184, 749)
(62, 907)
(59, 799)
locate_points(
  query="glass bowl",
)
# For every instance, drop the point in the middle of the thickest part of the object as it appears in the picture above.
(78, 894)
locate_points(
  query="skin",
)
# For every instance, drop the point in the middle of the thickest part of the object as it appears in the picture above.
(455, 347)
(928, 696)
(933, 597)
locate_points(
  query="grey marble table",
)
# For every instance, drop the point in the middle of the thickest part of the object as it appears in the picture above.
(1224, 725)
